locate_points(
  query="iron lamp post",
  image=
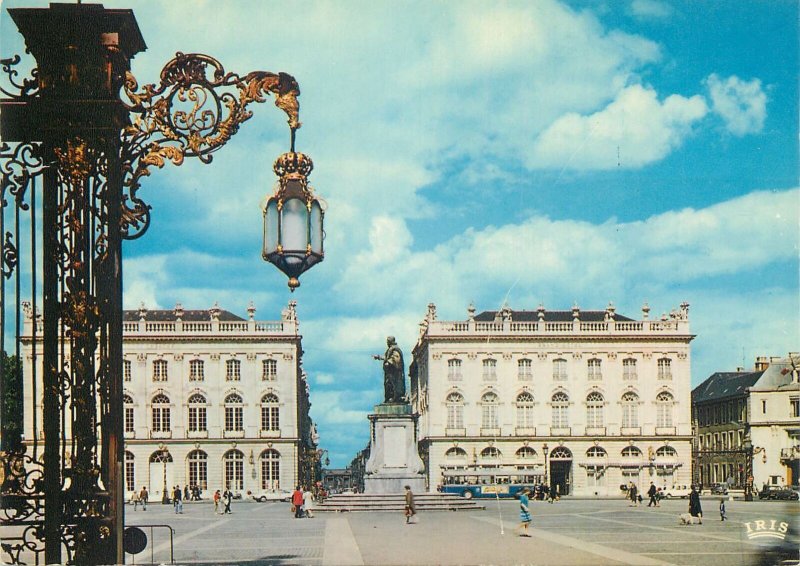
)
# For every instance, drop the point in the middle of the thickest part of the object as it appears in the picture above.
(78, 136)
(544, 450)
(165, 499)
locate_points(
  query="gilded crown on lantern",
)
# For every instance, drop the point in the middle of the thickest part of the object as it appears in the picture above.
(293, 164)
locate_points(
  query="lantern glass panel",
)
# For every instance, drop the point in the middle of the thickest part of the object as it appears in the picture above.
(316, 227)
(294, 225)
(271, 226)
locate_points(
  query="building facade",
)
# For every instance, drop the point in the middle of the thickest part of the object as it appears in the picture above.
(586, 401)
(747, 425)
(210, 399)
(719, 417)
(774, 423)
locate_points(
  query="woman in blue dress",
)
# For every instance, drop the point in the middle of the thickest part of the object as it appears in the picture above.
(524, 513)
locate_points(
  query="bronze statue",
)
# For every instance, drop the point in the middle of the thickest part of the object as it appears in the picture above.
(394, 378)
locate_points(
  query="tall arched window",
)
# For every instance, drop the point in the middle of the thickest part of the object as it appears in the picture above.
(270, 470)
(130, 472)
(127, 403)
(198, 468)
(233, 462)
(233, 370)
(560, 405)
(525, 410)
(161, 413)
(664, 403)
(489, 411)
(455, 411)
(234, 413)
(594, 410)
(198, 420)
(270, 413)
(630, 410)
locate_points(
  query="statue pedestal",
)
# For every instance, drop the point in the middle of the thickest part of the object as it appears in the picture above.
(394, 460)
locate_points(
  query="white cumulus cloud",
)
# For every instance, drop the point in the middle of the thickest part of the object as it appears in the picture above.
(650, 9)
(636, 126)
(741, 104)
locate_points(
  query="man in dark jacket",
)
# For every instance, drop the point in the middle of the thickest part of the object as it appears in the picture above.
(652, 493)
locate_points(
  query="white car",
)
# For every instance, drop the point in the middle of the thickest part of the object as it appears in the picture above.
(272, 495)
(677, 491)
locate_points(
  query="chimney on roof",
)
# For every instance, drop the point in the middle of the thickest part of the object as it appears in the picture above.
(762, 363)
(739, 369)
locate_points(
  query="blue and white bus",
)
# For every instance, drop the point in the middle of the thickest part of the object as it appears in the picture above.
(501, 483)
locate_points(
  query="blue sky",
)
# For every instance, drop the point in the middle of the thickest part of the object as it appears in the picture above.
(486, 152)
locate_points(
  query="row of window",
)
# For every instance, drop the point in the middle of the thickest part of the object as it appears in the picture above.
(233, 406)
(559, 453)
(730, 440)
(559, 403)
(719, 413)
(197, 464)
(233, 370)
(525, 369)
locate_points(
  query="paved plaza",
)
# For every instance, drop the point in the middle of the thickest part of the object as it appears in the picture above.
(570, 532)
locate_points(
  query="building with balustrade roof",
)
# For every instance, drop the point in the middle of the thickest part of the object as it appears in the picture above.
(209, 399)
(583, 400)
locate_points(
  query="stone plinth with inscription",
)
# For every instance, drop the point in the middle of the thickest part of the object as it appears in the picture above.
(394, 460)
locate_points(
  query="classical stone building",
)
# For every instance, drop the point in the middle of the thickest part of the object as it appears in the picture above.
(775, 423)
(210, 399)
(588, 400)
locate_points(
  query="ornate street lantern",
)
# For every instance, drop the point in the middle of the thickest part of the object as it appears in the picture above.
(293, 217)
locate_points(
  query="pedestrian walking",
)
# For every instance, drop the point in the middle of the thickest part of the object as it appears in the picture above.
(186, 495)
(652, 493)
(143, 497)
(297, 502)
(135, 500)
(633, 494)
(411, 508)
(227, 496)
(308, 503)
(722, 515)
(217, 498)
(524, 513)
(695, 510)
(177, 500)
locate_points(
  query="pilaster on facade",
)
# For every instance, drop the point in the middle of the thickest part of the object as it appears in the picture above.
(611, 396)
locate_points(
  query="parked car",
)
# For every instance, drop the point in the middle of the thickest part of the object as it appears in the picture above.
(719, 489)
(272, 495)
(677, 491)
(777, 492)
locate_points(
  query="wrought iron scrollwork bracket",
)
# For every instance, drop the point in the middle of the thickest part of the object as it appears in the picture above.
(193, 111)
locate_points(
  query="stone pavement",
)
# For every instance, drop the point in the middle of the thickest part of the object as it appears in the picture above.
(570, 532)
